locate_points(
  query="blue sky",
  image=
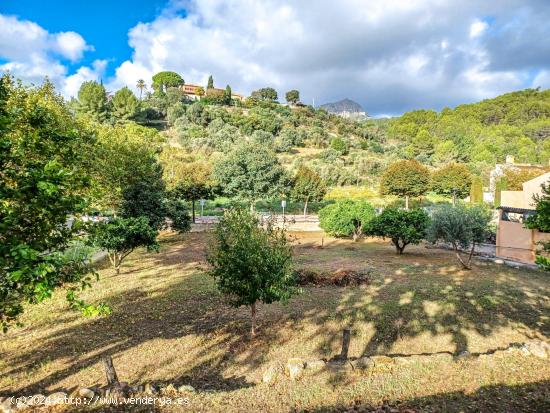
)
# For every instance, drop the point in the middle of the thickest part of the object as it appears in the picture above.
(103, 23)
(389, 55)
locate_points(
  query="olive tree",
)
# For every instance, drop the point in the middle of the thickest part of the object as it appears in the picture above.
(251, 263)
(346, 218)
(402, 227)
(462, 227)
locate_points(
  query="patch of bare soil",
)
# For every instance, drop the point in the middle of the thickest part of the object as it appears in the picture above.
(341, 278)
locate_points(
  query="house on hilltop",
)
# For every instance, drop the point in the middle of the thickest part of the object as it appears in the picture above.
(514, 241)
(195, 92)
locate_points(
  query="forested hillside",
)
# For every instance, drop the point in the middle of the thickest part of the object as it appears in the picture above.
(346, 152)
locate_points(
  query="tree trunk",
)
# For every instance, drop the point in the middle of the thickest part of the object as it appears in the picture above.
(253, 316)
(406, 202)
(454, 199)
(345, 344)
(305, 207)
(457, 252)
(193, 203)
(112, 378)
(471, 254)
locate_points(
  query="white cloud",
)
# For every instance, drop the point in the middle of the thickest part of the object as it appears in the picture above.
(477, 28)
(542, 80)
(71, 84)
(32, 53)
(71, 45)
(389, 55)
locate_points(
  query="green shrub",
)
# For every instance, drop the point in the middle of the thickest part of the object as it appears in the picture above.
(403, 227)
(346, 218)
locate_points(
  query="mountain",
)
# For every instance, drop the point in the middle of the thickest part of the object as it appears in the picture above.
(346, 108)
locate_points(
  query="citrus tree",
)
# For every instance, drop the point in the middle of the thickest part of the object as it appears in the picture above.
(346, 218)
(402, 227)
(251, 263)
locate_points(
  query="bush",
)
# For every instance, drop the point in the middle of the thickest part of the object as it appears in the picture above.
(339, 145)
(120, 236)
(403, 227)
(461, 227)
(251, 263)
(346, 218)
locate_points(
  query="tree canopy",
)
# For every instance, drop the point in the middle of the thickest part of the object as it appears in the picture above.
(405, 178)
(42, 183)
(292, 96)
(400, 226)
(92, 101)
(125, 104)
(307, 186)
(163, 80)
(347, 218)
(452, 180)
(251, 172)
(251, 263)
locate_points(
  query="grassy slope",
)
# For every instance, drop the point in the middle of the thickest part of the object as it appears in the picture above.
(170, 324)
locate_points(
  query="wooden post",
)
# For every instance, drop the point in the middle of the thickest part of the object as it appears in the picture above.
(112, 379)
(345, 345)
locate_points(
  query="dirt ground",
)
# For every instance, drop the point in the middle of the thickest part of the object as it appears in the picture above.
(169, 324)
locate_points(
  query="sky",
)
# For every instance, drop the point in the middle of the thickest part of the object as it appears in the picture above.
(390, 56)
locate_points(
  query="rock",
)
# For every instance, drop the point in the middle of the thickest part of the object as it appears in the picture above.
(270, 375)
(150, 388)
(86, 392)
(338, 366)
(294, 368)
(186, 388)
(314, 365)
(170, 389)
(463, 355)
(538, 349)
(138, 388)
(55, 398)
(498, 261)
(362, 363)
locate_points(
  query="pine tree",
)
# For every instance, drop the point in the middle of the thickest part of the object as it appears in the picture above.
(210, 82)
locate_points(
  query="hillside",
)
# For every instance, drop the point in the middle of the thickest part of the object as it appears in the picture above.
(350, 152)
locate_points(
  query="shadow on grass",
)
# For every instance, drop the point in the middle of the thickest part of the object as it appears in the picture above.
(527, 398)
(407, 298)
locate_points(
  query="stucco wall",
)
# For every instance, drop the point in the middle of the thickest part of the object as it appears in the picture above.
(516, 242)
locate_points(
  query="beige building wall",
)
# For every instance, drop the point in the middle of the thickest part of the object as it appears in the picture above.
(514, 241)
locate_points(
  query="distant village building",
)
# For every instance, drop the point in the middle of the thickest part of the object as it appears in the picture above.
(510, 165)
(514, 241)
(195, 92)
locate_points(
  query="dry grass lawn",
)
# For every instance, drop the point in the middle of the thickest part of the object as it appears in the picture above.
(169, 324)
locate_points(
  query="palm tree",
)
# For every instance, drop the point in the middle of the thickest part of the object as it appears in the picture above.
(141, 85)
